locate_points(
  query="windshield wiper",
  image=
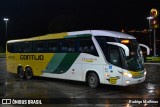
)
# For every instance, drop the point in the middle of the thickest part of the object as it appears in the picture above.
(129, 61)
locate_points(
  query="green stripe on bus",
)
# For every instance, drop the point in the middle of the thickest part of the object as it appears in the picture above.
(55, 62)
(67, 62)
(61, 62)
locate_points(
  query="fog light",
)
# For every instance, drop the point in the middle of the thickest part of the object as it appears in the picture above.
(127, 82)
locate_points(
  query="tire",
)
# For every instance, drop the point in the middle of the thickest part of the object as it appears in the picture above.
(20, 72)
(28, 73)
(93, 80)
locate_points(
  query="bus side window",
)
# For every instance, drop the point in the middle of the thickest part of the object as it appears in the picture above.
(17, 47)
(39, 46)
(10, 47)
(27, 47)
(68, 45)
(85, 45)
(53, 46)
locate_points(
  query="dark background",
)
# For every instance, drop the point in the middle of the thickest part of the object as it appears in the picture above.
(28, 18)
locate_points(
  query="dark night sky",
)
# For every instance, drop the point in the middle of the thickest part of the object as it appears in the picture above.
(31, 17)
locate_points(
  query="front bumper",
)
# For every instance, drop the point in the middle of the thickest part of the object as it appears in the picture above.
(130, 81)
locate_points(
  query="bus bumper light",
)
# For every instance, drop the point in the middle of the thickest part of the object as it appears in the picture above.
(127, 82)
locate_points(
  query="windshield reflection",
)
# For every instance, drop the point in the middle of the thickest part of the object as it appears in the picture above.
(135, 61)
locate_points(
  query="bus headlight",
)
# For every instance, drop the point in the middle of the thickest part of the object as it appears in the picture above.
(130, 75)
(127, 74)
(145, 73)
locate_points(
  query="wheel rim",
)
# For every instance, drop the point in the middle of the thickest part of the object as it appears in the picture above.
(92, 81)
(28, 73)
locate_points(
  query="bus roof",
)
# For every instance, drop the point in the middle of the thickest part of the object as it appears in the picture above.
(77, 34)
(103, 33)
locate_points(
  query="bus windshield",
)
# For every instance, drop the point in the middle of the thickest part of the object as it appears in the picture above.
(135, 60)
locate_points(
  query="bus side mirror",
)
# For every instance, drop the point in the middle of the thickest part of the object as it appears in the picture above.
(145, 46)
(126, 49)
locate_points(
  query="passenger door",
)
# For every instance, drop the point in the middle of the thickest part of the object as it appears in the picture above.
(115, 67)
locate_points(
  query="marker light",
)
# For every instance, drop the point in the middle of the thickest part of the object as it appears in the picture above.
(106, 75)
(125, 41)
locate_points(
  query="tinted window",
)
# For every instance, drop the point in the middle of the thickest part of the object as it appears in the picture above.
(17, 47)
(85, 45)
(27, 47)
(10, 47)
(68, 45)
(14, 47)
(52, 46)
(39, 46)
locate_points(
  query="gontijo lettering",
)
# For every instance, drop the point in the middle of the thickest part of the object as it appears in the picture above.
(31, 57)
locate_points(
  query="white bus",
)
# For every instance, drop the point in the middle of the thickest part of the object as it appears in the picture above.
(93, 56)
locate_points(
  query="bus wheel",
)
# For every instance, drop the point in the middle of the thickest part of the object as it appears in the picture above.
(28, 73)
(93, 80)
(20, 72)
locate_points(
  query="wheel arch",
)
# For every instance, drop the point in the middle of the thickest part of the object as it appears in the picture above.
(19, 66)
(28, 66)
(91, 71)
